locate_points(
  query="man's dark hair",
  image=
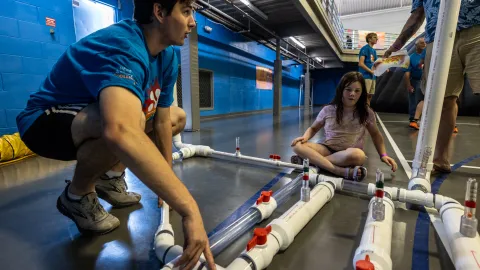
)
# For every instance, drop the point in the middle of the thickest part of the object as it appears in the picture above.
(143, 10)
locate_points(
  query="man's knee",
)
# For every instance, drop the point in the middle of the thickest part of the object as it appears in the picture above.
(356, 156)
(87, 124)
(450, 103)
(178, 117)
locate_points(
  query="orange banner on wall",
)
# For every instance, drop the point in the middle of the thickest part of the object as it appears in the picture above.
(362, 39)
(264, 78)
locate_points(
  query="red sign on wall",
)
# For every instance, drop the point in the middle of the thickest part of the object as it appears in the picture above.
(50, 22)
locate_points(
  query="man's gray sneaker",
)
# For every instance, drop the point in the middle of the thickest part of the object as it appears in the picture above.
(87, 213)
(114, 191)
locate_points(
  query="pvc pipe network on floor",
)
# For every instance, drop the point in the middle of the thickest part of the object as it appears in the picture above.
(280, 233)
(189, 150)
(416, 197)
(465, 250)
(164, 238)
(376, 242)
(261, 210)
(268, 162)
(435, 93)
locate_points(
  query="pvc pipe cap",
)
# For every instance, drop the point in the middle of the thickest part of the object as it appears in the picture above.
(364, 264)
(259, 237)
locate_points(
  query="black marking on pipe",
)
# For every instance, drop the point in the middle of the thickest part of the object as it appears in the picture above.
(250, 262)
(165, 231)
(278, 241)
(331, 183)
(165, 254)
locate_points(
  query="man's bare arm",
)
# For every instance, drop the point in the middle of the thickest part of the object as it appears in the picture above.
(361, 63)
(162, 128)
(409, 29)
(125, 136)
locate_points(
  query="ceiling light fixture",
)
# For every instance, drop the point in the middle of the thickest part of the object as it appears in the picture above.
(254, 9)
(297, 42)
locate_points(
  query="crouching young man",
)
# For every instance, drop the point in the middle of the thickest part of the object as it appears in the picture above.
(93, 107)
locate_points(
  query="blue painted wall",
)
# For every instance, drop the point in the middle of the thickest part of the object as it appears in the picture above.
(28, 51)
(325, 83)
(233, 60)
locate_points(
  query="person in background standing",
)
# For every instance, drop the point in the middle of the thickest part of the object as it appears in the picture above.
(413, 79)
(368, 56)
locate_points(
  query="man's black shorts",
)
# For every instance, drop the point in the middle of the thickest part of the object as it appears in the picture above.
(50, 135)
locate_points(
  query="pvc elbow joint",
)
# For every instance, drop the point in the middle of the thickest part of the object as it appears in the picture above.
(315, 179)
(202, 150)
(420, 184)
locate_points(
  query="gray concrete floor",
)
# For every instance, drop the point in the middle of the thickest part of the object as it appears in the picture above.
(33, 235)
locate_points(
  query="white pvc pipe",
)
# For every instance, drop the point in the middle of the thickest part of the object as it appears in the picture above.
(465, 250)
(164, 237)
(377, 238)
(201, 264)
(273, 163)
(284, 229)
(416, 197)
(315, 179)
(435, 91)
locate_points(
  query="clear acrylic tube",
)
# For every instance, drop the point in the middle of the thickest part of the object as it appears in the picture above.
(287, 190)
(356, 187)
(223, 238)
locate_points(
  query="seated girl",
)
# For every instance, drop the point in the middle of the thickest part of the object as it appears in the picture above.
(345, 120)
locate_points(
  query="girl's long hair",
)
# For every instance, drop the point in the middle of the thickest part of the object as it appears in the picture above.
(361, 107)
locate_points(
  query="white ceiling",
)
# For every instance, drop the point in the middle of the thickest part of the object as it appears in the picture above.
(347, 7)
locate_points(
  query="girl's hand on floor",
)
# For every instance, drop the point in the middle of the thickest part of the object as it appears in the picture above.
(299, 139)
(390, 162)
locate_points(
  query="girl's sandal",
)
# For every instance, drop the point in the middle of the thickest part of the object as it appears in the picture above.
(355, 176)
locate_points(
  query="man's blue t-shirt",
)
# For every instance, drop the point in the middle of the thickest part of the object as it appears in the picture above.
(469, 15)
(113, 56)
(415, 67)
(370, 57)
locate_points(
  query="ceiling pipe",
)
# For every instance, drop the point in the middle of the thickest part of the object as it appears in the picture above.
(264, 28)
(218, 11)
(238, 25)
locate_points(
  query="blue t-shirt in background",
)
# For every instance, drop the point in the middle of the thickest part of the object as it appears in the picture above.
(370, 57)
(468, 16)
(415, 67)
(113, 56)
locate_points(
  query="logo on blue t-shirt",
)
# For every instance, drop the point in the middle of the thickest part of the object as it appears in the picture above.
(125, 73)
(151, 99)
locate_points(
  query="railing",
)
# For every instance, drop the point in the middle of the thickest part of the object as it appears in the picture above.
(357, 37)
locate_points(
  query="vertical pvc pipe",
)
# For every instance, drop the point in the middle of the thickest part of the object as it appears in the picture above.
(435, 91)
